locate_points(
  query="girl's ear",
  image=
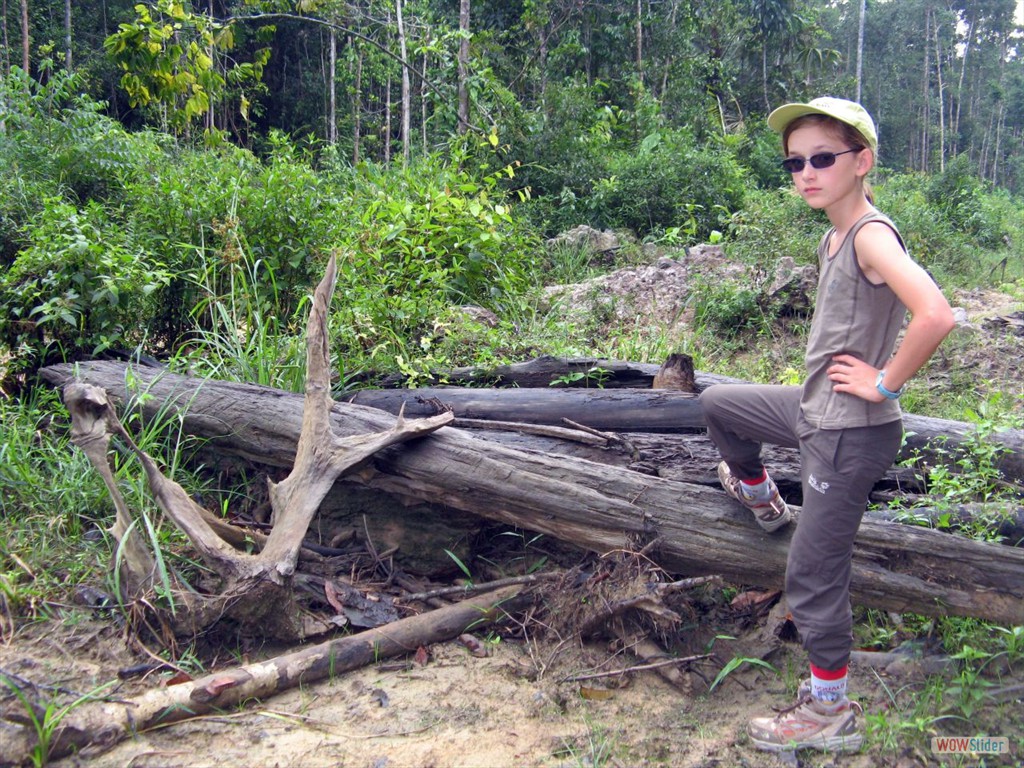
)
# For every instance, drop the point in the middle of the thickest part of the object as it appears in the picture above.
(865, 161)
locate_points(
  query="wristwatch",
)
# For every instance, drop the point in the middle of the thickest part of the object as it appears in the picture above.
(888, 393)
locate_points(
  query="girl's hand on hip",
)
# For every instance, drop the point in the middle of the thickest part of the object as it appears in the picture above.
(853, 376)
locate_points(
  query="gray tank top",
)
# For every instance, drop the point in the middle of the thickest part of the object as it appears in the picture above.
(852, 316)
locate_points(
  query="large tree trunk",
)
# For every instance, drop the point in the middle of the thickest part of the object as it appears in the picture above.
(637, 410)
(699, 530)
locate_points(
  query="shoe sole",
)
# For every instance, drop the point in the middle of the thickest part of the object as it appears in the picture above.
(850, 743)
(771, 525)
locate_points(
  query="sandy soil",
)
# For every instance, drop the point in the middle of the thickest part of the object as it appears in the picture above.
(456, 711)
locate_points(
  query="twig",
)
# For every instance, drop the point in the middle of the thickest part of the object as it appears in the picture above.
(590, 437)
(637, 668)
(609, 436)
(482, 587)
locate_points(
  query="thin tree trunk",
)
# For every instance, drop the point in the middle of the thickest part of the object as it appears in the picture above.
(387, 120)
(332, 91)
(639, 41)
(406, 99)
(68, 63)
(942, 100)
(463, 66)
(999, 136)
(673, 15)
(26, 41)
(860, 46)
(423, 97)
(925, 95)
(955, 128)
(6, 41)
(357, 105)
(212, 52)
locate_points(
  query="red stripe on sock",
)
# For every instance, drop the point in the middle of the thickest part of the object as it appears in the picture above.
(758, 481)
(829, 674)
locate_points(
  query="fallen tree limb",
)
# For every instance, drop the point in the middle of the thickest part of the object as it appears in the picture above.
(100, 725)
(596, 507)
(657, 410)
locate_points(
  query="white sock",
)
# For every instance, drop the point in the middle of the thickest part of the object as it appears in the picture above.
(757, 491)
(828, 686)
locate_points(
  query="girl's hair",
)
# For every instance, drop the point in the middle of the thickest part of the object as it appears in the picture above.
(849, 135)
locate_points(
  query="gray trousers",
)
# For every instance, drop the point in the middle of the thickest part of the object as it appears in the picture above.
(838, 469)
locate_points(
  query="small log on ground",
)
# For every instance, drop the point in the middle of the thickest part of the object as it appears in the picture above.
(99, 725)
(699, 529)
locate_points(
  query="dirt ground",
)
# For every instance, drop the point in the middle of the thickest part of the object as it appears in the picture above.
(519, 707)
(455, 711)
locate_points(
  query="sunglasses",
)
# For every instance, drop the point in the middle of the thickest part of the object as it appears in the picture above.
(819, 161)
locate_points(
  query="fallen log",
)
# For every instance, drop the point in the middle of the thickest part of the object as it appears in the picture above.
(698, 529)
(658, 411)
(101, 724)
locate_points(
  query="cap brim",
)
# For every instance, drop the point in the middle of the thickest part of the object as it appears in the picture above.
(787, 113)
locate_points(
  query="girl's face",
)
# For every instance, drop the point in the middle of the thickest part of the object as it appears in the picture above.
(822, 188)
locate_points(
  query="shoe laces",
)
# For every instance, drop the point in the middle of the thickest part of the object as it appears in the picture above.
(781, 712)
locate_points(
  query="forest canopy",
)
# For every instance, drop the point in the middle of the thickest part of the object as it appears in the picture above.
(556, 80)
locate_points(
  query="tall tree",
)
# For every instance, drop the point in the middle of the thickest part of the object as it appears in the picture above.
(463, 65)
(860, 45)
(68, 64)
(26, 40)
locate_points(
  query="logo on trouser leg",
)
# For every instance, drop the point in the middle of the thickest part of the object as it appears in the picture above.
(816, 484)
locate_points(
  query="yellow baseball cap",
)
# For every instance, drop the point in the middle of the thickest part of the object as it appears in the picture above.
(849, 112)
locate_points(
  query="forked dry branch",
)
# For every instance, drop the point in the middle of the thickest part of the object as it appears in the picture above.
(255, 589)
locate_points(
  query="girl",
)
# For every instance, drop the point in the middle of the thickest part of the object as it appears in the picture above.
(845, 418)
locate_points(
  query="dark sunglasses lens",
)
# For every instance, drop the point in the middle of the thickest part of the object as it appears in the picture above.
(824, 160)
(819, 161)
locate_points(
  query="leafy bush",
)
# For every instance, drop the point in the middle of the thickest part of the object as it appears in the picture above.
(54, 133)
(201, 207)
(418, 241)
(668, 181)
(775, 223)
(78, 288)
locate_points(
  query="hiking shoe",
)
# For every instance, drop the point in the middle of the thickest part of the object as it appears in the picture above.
(771, 513)
(809, 724)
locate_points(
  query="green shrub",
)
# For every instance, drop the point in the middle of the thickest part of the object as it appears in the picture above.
(54, 133)
(775, 223)
(418, 241)
(200, 207)
(665, 182)
(79, 287)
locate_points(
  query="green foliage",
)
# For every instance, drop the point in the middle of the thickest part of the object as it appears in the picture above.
(727, 309)
(239, 334)
(55, 142)
(50, 502)
(419, 241)
(668, 181)
(945, 220)
(774, 223)
(46, 720)
(78, 288)
(970, 473)
(167, 55)
(204, 207)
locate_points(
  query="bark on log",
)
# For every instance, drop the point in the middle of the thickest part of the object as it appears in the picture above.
(699, 530)
(103, 724)
(638, 410)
